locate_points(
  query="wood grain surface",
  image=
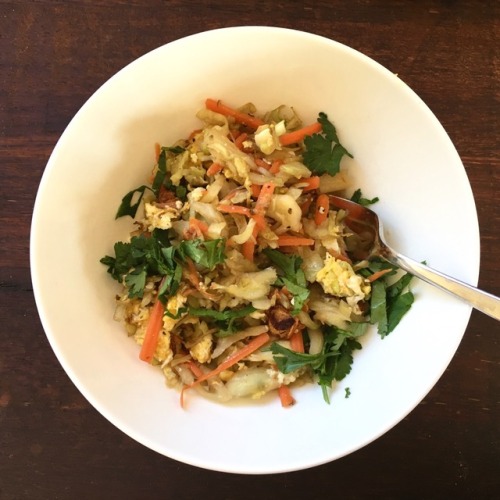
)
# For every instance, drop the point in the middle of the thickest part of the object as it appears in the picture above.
(54, 55)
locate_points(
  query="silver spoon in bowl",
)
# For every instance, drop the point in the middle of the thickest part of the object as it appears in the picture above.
(366, 223)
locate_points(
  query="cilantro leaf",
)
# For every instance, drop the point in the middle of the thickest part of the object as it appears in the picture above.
(390, 302)
(130, 202)
(324, 151)
(332, 363)
(224, 320)
(136, 281)
(398, 308)
(205, 253)
(291, 275)
(357, 197)
(378, 307)
(289, 361)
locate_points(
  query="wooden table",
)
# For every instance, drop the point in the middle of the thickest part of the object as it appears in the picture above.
(54, 55)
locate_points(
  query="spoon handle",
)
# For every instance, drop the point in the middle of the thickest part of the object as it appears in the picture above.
(483, 301)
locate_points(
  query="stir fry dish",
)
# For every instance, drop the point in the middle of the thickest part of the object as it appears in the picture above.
(240, 277)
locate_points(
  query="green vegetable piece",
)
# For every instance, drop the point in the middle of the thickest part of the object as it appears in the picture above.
(332, 363)
(130, 202)
(224, 320)
(324, 151)
(357, 197)
(291, 275)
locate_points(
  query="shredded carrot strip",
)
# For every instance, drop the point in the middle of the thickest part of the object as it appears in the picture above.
(378, 274)
(275, 167)
(261, 163)
(157, 151)
(265, 197)
(252, 346)
(248, 249)
(298, 135)
(195, 369)
(240, 117)
(312, 183)
(238, 142)
(322, 207)
(297, 341)
(198, 225)
(260, 223)
(155, 324)
(215, 168)
(287, 240)
(285, 396)
(234, 209)
(255, 190)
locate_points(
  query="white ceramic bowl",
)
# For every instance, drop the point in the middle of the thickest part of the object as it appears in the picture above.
(402, 154)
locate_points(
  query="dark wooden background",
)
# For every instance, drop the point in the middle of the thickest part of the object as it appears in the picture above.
(53, 56)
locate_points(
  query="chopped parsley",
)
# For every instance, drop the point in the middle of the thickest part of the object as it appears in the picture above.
(156, 256)
(332, 363)
(291, 276)
(357, 197)
(390, 300)
(324, 151)
(131, 201)
(224, 320)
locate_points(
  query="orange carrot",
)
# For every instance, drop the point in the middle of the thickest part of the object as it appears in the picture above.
(265, 197)
(322, 207)
(234, 209)
(275, 167)
(238, 142)
(297, 341)
(298, 135)
(195, 369)
(260, 223)
(287, 240)
(285, 395)
(198, 225)
(248, 249)
(155, 324)
(378, 274)
(215, 168)
(312, 183)
(157, 151)
(262, 163)
(240, 117)
(252, 346)
(255, 190)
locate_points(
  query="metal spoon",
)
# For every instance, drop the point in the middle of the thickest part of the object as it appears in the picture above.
(367, 225)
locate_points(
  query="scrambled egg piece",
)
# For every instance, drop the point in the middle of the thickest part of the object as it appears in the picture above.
(159, 217)
(338, 278)
(267, 137)
(202, 351)
(163, 351)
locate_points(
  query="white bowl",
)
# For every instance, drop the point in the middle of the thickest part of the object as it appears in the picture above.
(401, 154)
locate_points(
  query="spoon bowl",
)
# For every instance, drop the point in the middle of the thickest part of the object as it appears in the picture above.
(366, 223)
